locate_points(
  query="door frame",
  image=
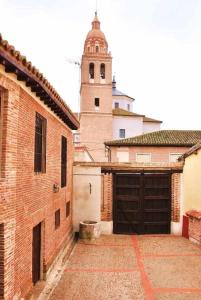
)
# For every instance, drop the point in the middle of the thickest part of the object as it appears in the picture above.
(41, 275)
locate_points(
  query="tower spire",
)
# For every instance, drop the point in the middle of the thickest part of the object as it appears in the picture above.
(96, 11)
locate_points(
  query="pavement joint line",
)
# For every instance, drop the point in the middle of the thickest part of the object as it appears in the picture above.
(170, 255)
(102, 270)
(106, 245)
(160, 235)
(177, 290)
(149, 293)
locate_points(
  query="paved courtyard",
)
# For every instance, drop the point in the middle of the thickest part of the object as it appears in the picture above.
(132, 267)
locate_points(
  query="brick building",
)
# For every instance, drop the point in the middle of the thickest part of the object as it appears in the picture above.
(105, 112)
(36, 156)
(164, 146)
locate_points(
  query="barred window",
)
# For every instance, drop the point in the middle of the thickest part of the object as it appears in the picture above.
(40, 144)
(63, 161)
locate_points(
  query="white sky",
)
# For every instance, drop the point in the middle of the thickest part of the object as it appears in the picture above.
(155, 44)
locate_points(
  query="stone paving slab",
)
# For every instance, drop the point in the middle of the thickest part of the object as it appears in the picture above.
(118, 267)
(174, 272)
(166, 245)
(93, 257)
(100, 286)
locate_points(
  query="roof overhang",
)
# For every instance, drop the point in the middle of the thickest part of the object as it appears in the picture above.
(37, 83)
(145, 145)
(114, 167)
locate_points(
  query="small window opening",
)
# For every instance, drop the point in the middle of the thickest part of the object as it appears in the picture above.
(57, 218)
(97, 102)
(97, 49)
(128, 107)
(40, 144)
(116, 105)
(63, 161)
(102, 71)
(67, 209)
(91, 70)
(122, 133)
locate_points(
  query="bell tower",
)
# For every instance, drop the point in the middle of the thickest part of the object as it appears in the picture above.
(96, 93)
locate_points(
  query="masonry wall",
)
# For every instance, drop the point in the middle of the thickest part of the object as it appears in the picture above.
(27, 198)
(123, 102)
(151, 127)
(158, 154)
(192, 186)
(132, 125)
(87, 184)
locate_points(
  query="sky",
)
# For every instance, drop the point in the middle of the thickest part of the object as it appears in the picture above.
(155, 44)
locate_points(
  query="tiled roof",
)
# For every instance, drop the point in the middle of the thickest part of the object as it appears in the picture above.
(123, 112)
(146, 119)
(116, 92)
(179, 138)
(18, 64)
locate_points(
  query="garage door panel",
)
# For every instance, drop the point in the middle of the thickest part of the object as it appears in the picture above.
(128, 179)
(128, 216)
(156, 216)
(155, 203)
(156, 191)
(142, 203)
(128, 191)
(129, 228)
(128, 205)
(156, 228)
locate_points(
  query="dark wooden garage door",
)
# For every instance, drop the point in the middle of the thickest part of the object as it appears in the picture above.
(142, 203)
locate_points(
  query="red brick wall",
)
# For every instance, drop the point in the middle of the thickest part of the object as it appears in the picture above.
(176, 194)
(2, 249)
(195, 229)
(158, 154)
(27, 198)
(106, 209)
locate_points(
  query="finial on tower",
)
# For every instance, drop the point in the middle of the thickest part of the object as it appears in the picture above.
(96, 11)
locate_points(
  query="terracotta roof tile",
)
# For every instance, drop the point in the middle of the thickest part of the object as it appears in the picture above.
(123, 112)
(16, 63)
(116, 92)
(146, 119)
(180, 138)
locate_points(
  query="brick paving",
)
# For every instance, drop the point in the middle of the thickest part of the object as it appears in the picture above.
(130, 268)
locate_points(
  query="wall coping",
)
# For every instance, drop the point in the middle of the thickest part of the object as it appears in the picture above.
(194, 214)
